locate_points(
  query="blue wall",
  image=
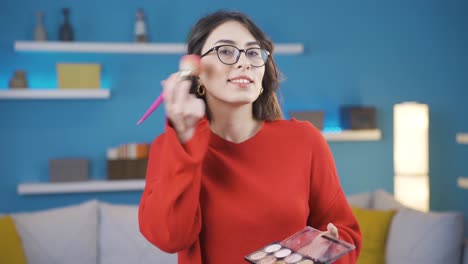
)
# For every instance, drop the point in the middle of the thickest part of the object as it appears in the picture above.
(368, 53)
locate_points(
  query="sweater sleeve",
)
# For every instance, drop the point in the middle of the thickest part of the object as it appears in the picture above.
(327, 201)
(169, 213)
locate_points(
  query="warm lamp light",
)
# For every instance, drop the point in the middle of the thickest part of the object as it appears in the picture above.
(411, 154)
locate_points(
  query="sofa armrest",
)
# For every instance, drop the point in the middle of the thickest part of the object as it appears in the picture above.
(465, 252)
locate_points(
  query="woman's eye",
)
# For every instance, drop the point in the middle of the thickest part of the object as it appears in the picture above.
(253, 53)
(225, 52)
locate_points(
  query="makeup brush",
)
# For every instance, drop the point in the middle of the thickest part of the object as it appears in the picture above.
(189, 65)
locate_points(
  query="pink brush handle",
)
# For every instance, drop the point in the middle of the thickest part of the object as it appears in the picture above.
(151, 109)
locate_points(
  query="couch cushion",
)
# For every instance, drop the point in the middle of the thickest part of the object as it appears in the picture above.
(361, 200)
(120, 240)
(429, 238)
(11, 250)
(66, 235)
(374, 226)
(465, 252)
(384, 200)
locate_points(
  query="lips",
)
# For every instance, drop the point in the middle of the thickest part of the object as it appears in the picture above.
(241, 80)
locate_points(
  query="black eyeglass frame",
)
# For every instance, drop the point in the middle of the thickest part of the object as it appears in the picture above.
(238, 56)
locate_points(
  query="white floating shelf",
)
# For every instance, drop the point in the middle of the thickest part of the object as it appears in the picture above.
(462, 138)
(291, 48)
(81, 187)
(100, 47)
(82, 93)
(463, 182)
(354, 135)
(116, 47)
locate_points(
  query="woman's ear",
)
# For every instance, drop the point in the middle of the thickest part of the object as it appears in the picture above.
(199, 82)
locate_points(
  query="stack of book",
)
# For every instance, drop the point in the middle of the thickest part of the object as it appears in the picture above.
(127, 161)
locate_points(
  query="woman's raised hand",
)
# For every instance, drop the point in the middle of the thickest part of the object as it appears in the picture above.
(183, 109)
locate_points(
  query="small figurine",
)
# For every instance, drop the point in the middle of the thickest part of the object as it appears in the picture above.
(66, 30)
(140, 27)
(18, 80)
(39, 32)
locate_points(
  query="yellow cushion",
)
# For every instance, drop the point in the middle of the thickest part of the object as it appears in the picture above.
(374, 226)
(11, 250)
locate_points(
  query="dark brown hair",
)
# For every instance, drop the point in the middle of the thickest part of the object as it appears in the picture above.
(266, 107)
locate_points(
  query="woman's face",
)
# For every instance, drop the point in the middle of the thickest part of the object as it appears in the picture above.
(237, 84)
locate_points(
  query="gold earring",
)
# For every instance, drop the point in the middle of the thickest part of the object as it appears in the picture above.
(261, 90)
(200, 90)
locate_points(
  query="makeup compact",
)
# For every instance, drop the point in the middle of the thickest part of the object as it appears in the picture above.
(308, 246)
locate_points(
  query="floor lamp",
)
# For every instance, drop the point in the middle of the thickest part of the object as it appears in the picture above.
(411, 154)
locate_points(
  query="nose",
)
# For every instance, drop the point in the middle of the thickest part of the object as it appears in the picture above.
(243, 60)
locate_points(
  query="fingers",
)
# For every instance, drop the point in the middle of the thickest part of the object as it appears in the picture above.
(183, 109)
(332, 230)
(176, 96)
(169, 88)
(195, 110)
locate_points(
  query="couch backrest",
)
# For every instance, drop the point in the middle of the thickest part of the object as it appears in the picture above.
(92, 232)
(414, 236)
(120, 240)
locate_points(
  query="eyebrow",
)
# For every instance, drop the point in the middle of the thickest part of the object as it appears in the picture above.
(228, 41)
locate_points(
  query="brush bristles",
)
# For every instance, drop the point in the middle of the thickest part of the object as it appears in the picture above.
(189, 65)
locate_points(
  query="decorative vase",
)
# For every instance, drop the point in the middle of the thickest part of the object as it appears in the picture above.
(18, 80)
(39, 32)
(140, 27)
(66, 30)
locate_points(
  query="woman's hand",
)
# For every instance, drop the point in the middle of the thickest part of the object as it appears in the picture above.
(183, 109)
(332, 231)
(318, 246)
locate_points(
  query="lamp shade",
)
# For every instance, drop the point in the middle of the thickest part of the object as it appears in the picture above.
(412, 192)
(411, 154)
(411, 139)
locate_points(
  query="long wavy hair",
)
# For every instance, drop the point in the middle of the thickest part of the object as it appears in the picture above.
(266, 107)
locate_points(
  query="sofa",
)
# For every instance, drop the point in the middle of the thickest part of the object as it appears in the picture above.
(99, 232)
(87, 233)
(414, 237)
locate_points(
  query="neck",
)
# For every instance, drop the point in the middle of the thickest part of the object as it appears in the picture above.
(235, 124)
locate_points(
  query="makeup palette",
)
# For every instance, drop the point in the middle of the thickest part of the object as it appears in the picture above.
(308, 246)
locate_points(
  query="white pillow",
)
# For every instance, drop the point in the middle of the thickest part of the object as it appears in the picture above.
(361, 200)
(429, 238)
(66, 235)
(120, 240)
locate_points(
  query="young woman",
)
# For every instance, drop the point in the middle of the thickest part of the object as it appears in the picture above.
(229, 175)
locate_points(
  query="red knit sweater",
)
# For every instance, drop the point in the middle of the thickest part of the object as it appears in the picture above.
(214, 201)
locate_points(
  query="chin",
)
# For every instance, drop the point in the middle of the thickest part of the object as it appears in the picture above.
(243, 99)
(238, 98)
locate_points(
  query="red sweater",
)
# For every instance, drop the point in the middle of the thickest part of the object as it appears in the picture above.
(214, 201)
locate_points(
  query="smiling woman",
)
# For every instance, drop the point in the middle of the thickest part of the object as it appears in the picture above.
(229, 175)
(237, 80)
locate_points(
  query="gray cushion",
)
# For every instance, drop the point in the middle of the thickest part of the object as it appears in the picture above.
(60, 235)
(361, 200)
(465, 253)
(120, 240)
(426, 238)
(384, 200)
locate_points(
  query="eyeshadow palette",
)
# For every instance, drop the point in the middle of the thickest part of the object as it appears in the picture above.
(308, 246)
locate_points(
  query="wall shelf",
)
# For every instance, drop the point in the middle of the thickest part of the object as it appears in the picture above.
(122, 47)
(84, 93)
(138, 185)
(80, 187)
(354, 135)
(462, 138)
(463, 182)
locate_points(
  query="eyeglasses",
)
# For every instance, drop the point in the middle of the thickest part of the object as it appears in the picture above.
(230, 55)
